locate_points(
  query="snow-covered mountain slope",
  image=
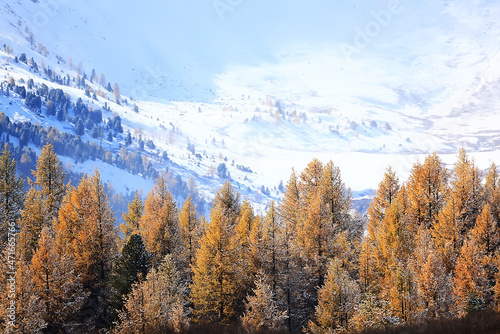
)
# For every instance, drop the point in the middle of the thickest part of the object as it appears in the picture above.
(270, 85)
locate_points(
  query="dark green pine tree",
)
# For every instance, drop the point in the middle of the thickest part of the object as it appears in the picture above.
(80, 128)
(128, 139)
(132, 266)
(11, 194)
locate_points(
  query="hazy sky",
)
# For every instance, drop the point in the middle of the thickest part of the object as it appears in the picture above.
(195, 45)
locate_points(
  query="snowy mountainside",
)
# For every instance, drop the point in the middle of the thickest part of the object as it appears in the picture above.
(307, 81)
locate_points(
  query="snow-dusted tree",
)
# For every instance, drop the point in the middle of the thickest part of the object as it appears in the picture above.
(156, 305)
(447, 233)
(469, 281)
(314, 238)
(486, 236)
(467, 188)
(262, 313)
(42, 201)
(336, 198)
(102, 79)
(373, 313)
(86, 228)
(215, 288)
(371, 258)
(427, 189)
(314, 232)
(55, 282)
(244, 233)
(33, 219)
(337, 300)
(310, 180)
(290, 207)
(492, 192)
(79, 69)
(395, 244)
(266, 247)
(433, 284)
(463, 205)
(30, 310)
(159, 225)
(116, 91)
(486, 232)
(228, 201)
(50, 179)
(368, 273)
(190, 231)
(293, 278)
(387, 192)
(401, 291)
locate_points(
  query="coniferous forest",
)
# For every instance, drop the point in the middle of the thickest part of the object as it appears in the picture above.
(424, 259)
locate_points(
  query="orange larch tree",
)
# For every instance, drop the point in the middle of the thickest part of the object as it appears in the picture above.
(427, 189)
(159, 225)
(87, 232)
(469, 279)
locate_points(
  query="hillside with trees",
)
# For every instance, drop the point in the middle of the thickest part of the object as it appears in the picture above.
(82, 127)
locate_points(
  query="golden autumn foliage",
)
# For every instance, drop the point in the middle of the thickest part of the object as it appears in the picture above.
(469, 279)
(190, 229)
(155, 305)
(428, 249)
(337, 300)
(432, 282)
(215, 289)
(262, 311)
(30, 308)
(325, 202)
(159, 225)
(463, 205)
(428, 189)
(33, 220)
(433, 245)
(486, 233)
(492, 192)
(42, 201)
(87, 232)
(247, 241)
(55, 281)
(266, 247)
(447, 233)
(467, 190)
(372, 258)
(132, 217)
(50, 178)
(290, 207)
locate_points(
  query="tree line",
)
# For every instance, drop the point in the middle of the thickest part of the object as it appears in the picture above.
(428, 249)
